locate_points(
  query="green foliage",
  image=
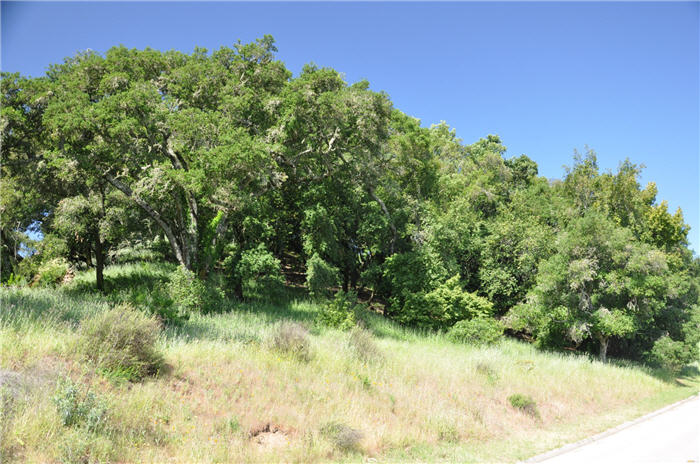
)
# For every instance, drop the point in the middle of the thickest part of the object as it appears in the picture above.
(188, 292)
(202, 158)
(672, 355)
(78, 408)
(408, 277)
(158, 301)
(15, 281)
(320, 276)
(51, 272)
(342, 312)
(525, 404)
(444, 306)
(601, 284)
(450, 303)
(122, 341)
(259, 273)
(477, 331)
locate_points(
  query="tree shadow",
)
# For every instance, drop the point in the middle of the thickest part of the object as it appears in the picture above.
(38, 306)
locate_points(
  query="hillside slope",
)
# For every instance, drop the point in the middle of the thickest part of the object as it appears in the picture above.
(226, 395)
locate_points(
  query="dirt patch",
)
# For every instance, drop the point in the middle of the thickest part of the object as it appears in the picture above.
(269, 436)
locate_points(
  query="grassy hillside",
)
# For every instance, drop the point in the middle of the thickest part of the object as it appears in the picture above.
(226, 394)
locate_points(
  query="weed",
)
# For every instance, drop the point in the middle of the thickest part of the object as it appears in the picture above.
(79, 447)
(76, 408)
(320, 276)
(187, 291)
(343, 437)
(525, 404)
(365, 381)
(363, 346)
(292, 338)
(487, 371)
(447, 432)
(233, 425)
(229, 426)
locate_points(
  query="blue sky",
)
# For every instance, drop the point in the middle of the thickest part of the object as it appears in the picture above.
(549, 77)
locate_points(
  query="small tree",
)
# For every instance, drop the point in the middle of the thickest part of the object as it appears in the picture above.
(602, 284)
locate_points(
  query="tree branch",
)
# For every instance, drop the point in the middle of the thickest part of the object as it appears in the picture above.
(126, 190)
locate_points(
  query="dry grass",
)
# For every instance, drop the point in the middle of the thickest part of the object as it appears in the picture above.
(228, 397)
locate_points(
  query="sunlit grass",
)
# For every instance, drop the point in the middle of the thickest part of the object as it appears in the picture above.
(226, 396)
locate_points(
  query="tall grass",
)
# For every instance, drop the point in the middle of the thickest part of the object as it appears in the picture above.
(226, 396)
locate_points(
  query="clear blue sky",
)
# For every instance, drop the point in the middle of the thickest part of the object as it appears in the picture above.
(548, 77)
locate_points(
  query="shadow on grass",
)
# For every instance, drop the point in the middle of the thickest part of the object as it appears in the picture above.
(128, 281)
(46, 305)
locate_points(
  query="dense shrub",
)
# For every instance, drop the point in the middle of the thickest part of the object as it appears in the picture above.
(409, 274)
(186, 290)
(51, 272)
(320, 276)
(363, 346)
(477, 331)
(671, 355)
(159, 303)
(342, 312)
(292, 339)
(343, 437)
(122, 341)
(259, 273)
(525, 404)
(443, 306)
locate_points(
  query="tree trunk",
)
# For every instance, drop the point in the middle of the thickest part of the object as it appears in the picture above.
(388, 216)
(99, 265)
(604, 348)
(238, 289)
(346, 279)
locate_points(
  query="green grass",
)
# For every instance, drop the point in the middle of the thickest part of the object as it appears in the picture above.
(226, 396)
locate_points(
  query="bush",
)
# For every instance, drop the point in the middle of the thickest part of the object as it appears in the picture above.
(187, 291)
(293, 339)
(76, 408)
(408, 274)
(159, 303)
(671, 355)
(443, 306)
(525, 404)
(122, 341)
(342, 312)
(363, 345)
(320, 276)
(343, 437)
(259, 273)
(51, 272)
(479, 331)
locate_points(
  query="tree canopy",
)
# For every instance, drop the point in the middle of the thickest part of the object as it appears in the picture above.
(227, 164)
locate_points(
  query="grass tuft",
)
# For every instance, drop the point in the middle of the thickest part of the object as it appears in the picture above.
(293, 339)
